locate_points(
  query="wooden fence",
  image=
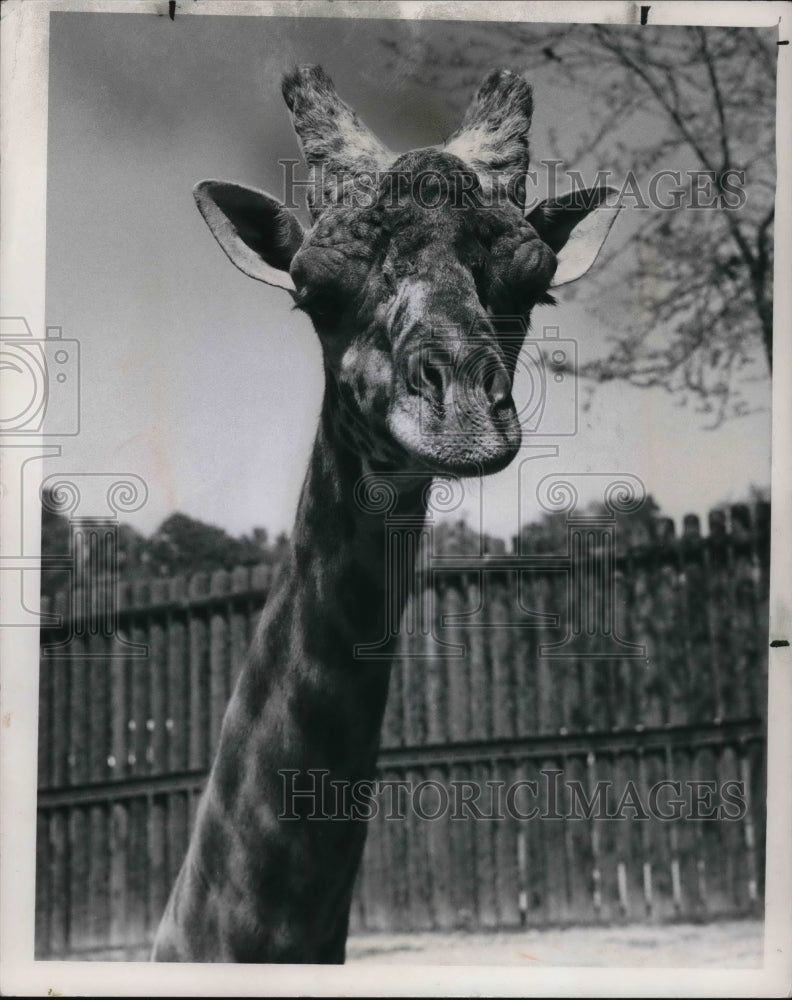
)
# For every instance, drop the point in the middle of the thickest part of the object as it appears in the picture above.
(128, 722)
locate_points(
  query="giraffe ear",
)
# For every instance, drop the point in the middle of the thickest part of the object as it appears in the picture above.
(575, 227)
(256, 232)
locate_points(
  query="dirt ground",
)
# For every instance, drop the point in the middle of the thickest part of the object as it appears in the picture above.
(734, 944)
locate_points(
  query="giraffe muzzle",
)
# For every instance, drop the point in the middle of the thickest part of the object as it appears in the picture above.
(456, 410)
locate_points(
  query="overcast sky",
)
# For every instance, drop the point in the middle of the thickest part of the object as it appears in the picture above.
(203, 381)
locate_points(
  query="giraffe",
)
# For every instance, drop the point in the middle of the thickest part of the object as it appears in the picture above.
(400, 247)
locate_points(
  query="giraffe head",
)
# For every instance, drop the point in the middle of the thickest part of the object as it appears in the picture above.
(419, 272)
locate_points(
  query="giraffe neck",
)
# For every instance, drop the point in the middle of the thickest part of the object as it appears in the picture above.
(339, 555)
(256, 887)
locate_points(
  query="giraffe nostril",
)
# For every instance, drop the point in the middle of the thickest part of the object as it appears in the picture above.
(433, 375)
(497, 388)
(429, 371)
(414, 375)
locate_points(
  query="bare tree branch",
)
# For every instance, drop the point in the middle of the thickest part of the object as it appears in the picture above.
(687, 292)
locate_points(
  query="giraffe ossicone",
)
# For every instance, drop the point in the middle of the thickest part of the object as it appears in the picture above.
(407, 293)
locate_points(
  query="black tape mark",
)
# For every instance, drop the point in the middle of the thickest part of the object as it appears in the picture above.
(785, 42)
(779, 642)
(645, 14)
(172, 9)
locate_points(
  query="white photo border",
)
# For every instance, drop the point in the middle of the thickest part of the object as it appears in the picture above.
(24, 110)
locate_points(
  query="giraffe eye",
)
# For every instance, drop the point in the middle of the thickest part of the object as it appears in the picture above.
(321, 304)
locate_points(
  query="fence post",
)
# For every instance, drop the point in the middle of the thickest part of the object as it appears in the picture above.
(718, 618)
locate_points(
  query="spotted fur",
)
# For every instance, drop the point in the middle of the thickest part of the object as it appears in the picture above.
(493, 136)
(335, 142)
